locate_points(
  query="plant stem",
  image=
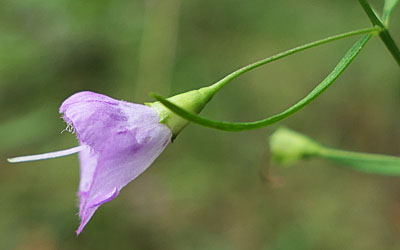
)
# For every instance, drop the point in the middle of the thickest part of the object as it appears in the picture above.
(369, 163)
(390, 45)
(383, 33)
(218, 85)
(241, 126)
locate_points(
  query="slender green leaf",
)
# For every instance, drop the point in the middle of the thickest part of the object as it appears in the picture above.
(228, 126)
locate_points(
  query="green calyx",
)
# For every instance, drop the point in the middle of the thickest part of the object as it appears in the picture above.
(193, 101)
(288, 147)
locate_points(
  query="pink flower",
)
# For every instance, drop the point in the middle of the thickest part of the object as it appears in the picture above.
(119, 140)
(122, 140)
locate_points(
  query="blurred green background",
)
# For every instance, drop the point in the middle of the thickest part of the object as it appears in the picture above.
(205, 191)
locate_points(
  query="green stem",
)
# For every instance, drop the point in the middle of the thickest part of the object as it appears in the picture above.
(228, 126)
(369, 163)
(288, 146)
(390, 45)
(218, 85)
(371, 13)
(384, 33)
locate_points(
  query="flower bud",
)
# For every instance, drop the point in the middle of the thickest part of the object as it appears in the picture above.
(288, 146)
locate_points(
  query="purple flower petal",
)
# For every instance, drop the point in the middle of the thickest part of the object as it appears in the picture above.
(123, 139)
(86, 96)
(96, 117)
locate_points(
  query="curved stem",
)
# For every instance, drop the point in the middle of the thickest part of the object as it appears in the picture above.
(218, 85)
(228, 126)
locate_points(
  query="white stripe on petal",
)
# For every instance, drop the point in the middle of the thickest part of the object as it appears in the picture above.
(50, 155)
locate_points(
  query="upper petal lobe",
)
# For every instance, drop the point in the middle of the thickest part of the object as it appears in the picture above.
(97, 117)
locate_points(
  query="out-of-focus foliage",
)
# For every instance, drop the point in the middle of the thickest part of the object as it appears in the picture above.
(205, 191)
